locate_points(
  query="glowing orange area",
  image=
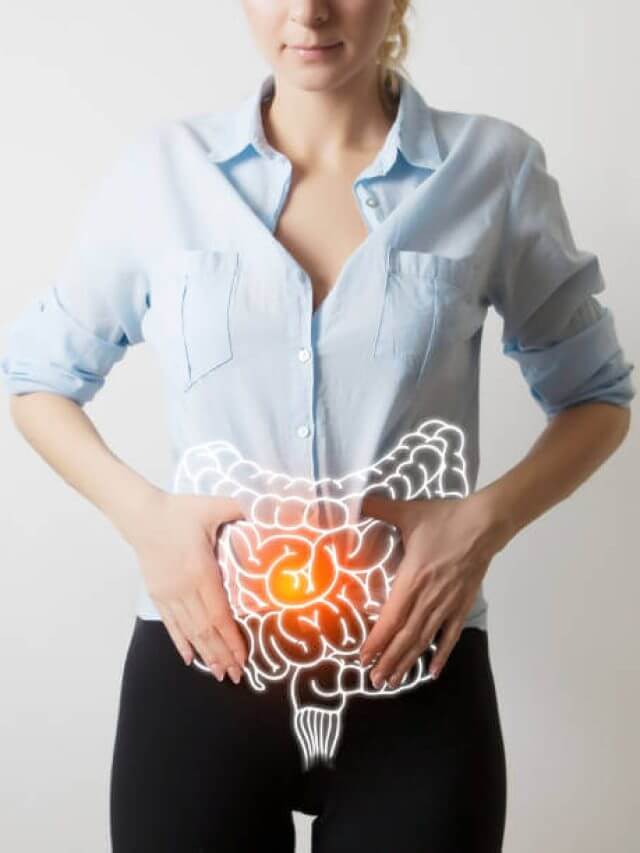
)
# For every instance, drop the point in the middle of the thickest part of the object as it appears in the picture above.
(298, 573)
(307, 577)
(319, 583)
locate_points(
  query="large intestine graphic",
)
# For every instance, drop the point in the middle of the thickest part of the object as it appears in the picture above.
(306, 576)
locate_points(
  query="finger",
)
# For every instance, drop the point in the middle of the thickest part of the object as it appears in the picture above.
(393, 616)
(201, 633)
(179, 639)
(450, 635)
(404, 665)
(183, 621)
(426, 642)
(207, 626)
(219, 616)
(406, 640)
(223, 510)
(217, 604)
(380, 507)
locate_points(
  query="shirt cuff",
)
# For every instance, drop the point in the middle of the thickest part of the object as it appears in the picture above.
(48, 350)
(589, 365)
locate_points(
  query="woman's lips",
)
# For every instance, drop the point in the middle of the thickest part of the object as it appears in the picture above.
(315, 52)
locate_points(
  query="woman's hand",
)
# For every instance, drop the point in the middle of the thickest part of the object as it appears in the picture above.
(175, 537)
(448, 545)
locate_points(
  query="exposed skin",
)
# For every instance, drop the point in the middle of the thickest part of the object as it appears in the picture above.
(449, 544)
(328, 119)
(172, 535)
(320, 118)
(180, 570)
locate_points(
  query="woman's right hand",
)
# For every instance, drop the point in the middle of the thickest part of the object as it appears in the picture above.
(175, 537)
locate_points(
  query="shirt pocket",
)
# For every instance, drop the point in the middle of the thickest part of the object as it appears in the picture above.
(208, 281)
(427, 302)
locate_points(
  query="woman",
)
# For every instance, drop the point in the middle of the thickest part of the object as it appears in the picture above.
(305, 339)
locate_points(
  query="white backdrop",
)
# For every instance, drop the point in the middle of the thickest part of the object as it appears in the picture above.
(78, 80)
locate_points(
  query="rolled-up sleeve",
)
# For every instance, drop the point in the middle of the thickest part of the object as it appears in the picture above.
(561, 336)
(73, 330)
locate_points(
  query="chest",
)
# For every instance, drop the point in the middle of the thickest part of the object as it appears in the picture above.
(330, 283)
(321, 227)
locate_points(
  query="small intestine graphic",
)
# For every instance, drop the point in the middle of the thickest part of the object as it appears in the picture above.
(306, 576)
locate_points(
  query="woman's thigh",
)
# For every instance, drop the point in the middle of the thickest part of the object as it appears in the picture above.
(198, 765)
(423, 771)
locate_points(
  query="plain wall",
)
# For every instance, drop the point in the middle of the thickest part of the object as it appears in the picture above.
(78, 81)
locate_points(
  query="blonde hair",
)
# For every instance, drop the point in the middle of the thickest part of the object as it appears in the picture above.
(393, 51)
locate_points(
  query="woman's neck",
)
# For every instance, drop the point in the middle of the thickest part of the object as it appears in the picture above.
(325, 128)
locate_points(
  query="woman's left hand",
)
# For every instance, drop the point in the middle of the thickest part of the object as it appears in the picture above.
(448, 546)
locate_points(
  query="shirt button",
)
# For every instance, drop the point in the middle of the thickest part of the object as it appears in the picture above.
(304, 354)
(372, 201)
(303, 431)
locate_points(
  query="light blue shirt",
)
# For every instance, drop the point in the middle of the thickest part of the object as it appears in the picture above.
(176, 249)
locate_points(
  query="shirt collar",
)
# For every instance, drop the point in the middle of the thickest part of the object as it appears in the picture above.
(412, 133)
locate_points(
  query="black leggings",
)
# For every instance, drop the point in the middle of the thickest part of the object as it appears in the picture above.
(201, 765)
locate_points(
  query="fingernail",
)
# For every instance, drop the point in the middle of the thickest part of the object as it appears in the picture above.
(235, 673)
(364, 659)
(376, 679)
(435, 672)
(218, 671)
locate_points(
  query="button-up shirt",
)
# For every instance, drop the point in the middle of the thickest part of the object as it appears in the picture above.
(376, 389)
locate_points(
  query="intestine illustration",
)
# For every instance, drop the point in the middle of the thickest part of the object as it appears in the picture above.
(306, 576)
